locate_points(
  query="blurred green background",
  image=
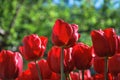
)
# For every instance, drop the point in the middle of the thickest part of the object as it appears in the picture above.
(23, 17)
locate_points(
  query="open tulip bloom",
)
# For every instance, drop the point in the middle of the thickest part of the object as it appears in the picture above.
(67, 59)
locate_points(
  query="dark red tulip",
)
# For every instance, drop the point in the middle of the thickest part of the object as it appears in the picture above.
(114, 64)
(78, 76)
(55, 76)
(64, 34)
(33, 47)
(44, 69)
(101, 77)
(104, 42)
(32, 72)
(118, 40)
(54, 59)
(98, 64)
(82, 56)
(26, 75)
(74, 76)
(11, 65)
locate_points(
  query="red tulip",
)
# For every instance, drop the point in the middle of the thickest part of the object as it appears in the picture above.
(33, 47)
(32, 72)
(101, 77)
(78, 76)
(114, 64)
(104, 42)
(44, 69)
(26, 75)
(55, 76)
(118, 39)
(11, 64)
(82, 56)
(54, 59)
(98, 64)
(64, 34)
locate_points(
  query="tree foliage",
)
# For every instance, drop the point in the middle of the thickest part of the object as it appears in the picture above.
(22, 17)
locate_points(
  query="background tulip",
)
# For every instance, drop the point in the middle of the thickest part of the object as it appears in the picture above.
(118, 39)
(33, 47)
(32, 73)
(101, 77)
(104, 42)
(82, 56)
(76, 76)
(114, 64)
(64, 34)
(54, 59)
(44, 69)
(26, 75)
(11, 64)
(98, 64)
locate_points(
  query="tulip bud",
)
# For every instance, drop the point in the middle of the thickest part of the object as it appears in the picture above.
(11, 64)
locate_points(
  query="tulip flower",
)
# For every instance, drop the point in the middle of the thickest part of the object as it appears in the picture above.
(98, 64)
(33, 47)
(104, 42)
(54, 59)
(26, 75)
(101, 77)
(11, 65)
(55, 76)
(32, 72)
(118, 40)
(114, 64)
(76, 76)
(44, 68)
(82, 56)
(64, 34)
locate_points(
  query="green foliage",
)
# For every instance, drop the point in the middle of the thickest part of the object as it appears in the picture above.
(20, 18)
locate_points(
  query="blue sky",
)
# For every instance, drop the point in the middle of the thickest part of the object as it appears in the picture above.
(97, 3)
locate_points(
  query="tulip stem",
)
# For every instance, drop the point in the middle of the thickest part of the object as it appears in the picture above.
(62, 64)
(38, 69)
(68, 77)
(82, 74)
(106, 68)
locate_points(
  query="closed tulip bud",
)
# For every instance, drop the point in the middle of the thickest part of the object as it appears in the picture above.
(44, 69)
(101, 77)
(32, 74)
(11, 65)
(82, 56)
(104, 42)
(54, 59)
(98, 64)
(64, 34)
(33, 47)
(118, 40)
(114, 64)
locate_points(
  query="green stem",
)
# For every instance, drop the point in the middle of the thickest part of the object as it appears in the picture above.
(82, 74)
(106, 68)
(62, 64)
(68, 77)
(38, 69)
